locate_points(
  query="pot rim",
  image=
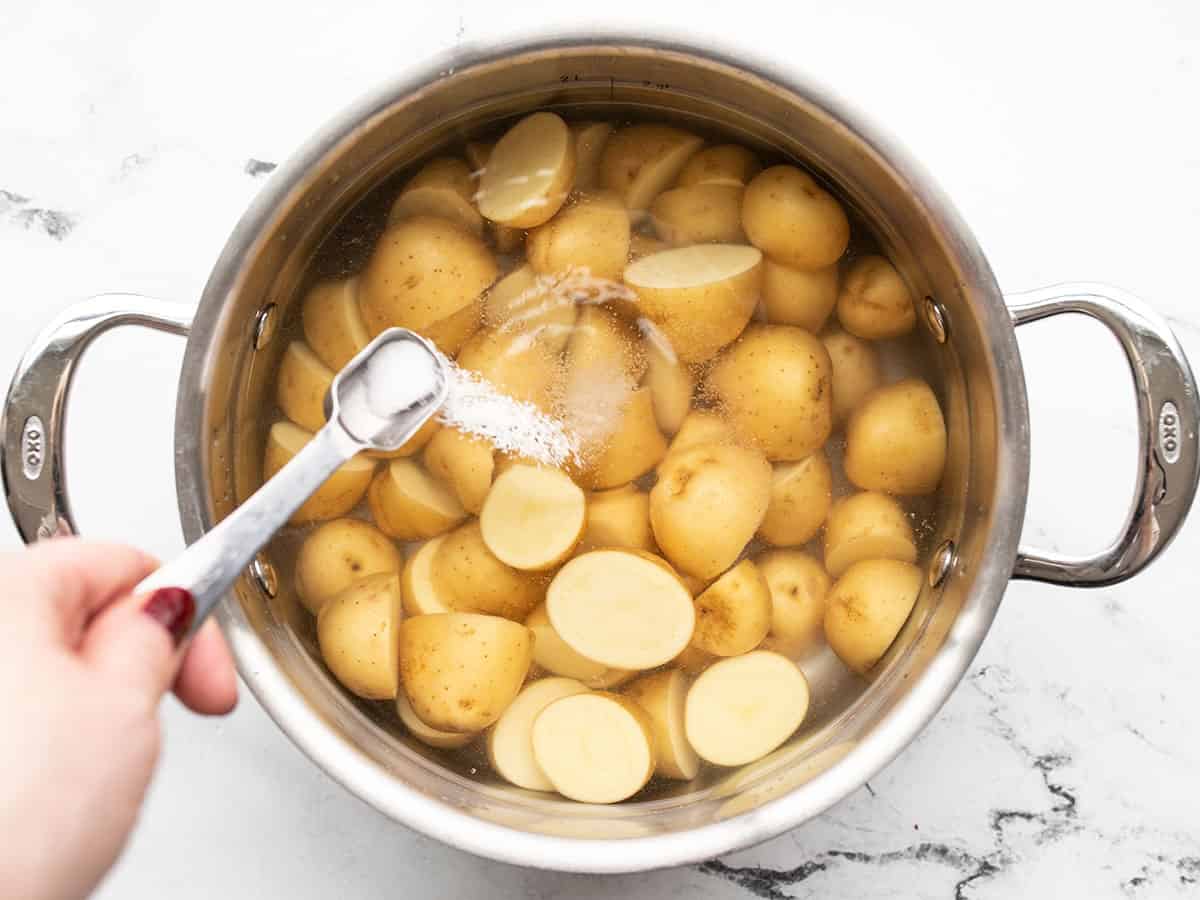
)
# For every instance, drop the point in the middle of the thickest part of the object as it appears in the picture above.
(346, 764)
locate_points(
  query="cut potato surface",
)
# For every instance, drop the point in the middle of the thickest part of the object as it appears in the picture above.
(801, 493)
(896, 440)
(341, 491)
(619, 517)
(794, 220)
(302, 385)
(409, 504)
(553, 654)
(639, 162)
(742, 708)
(869, 525)
(671, 383)
(339, 553)
(622, 608)
(533, 517)
(723, 164)
(473, 579)
(528, 173)
(333, 326)
(733, 614)
(356, 631)
(594, 747)
(662, 695)
(799, 587)
(590, 138)
(420, 595)
(444, 188)
(443, 740)
(510, 741)
(867, 607)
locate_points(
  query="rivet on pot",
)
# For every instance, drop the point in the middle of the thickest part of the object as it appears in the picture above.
(263, 574)
(935, 319)
(265, 323)
(941, 564)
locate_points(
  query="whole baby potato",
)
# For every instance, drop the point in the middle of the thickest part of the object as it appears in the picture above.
(356, 631)
(856, 371)
(699, 214)
(896, 440)
(867, 607)
(801, 492)
(803, 297)
(341, 491)
(460, 671)
(774, 386)
(707, 504)
(423, 270)
(874, 302)
(793, 220)
(727, 164)
(472, 579)
(591, 233)
(337, 554)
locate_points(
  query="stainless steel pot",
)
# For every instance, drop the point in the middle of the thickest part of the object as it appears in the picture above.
(969, 331)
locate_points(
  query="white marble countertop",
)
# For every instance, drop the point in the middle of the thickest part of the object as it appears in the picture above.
(1067, 764)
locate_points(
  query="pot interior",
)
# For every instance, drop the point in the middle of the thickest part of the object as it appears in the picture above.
(306, 225)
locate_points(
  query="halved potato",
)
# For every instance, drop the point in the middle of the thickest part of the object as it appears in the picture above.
(733, 614)
(591, 233)
(341, 491)
(452, 332)
(803, 297)
(868, 525)
(874, 301)
(533, 517)
(867, 608)
(633, 449)
(410, 504)
(793, 219)
(798, 586)
(707, 505)
(472, 579)
(699, 214)
(639, 162)
(443, 740)
(662, 695)
(727, 164)
(643, 245)
(594, 747)
(516, 365)
(554, 655)
(801, 493)
(856, 372)
(701, 426)
(510, 740)
(743, 707)
(507, 240)
(339, 553)
(332, 324)
(622, 608)
(701, 297)
(301, 385)
(896, 440)
(671, 383)
(528, 173)
(443, 188)
(356, 631)
(619, 517)
(604, 346)
(421, 594)
(522, 301)
(463, 463)
(590, 138)
(461, 670)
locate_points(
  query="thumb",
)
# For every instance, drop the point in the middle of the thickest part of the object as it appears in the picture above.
(135, 640)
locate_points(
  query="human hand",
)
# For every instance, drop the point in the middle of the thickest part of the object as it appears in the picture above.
(83, 666)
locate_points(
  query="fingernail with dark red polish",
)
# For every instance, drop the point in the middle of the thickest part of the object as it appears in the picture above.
(172, 608)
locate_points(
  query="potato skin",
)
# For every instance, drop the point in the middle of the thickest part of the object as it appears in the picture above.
(460, 671)
(619, 517)
(799, 587)
(339, 553)
(733, 614)
(874, 302)
(707, 504)
(801, 493)
(699, 214)
(856, 372)
(640, 161)
(802, 297)
(472, 579)
(332, 323)
(793, 220)
(341, 491)
(356, 631)
(592, 233)
(896, 440)
(728, 164)
(867, 525)
(867, 607)
(409, 504)
(774, 385)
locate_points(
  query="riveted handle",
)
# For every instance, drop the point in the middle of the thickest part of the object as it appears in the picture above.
(1168, 413)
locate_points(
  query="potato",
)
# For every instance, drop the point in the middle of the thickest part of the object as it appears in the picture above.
(641, 161)
(707, 504)
(339, 553)
(507, 240)
(460, 671)
(662, 696)
(622, 608)
(553, 654)
(452, 332)
(856, 372)
(591, 233)
(421, 596)
(896, 440)
(693, 660)
(533, 517)
(523, 302)
(528, 173)
(356, 631)
(643, 245)
(414, 444)
(332, 324)
(619, 517)
(874, 302)
(802, 297)
(594, 747)
(867, 607)
(734, 614)
(726, 164)
(301, 386)
(702, 427)
(801, 493)
(510, 740)
(443, 188)
(699, 214)
(590, 138)
(409, 504)
(700, 297)
(604, 346)
(868, 525)
(671, 384)
(472, 579)
(742, 708)
(774, 386)
(464, 464)
(798, 587)
(341, 491)
(443, 740)
(523, 369)
(636, 447)
(793, 220)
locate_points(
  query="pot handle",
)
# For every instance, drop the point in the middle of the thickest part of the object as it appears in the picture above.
(31, 456)
(1168, 412)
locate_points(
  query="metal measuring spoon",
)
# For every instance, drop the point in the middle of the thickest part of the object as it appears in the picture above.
(377, 402)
